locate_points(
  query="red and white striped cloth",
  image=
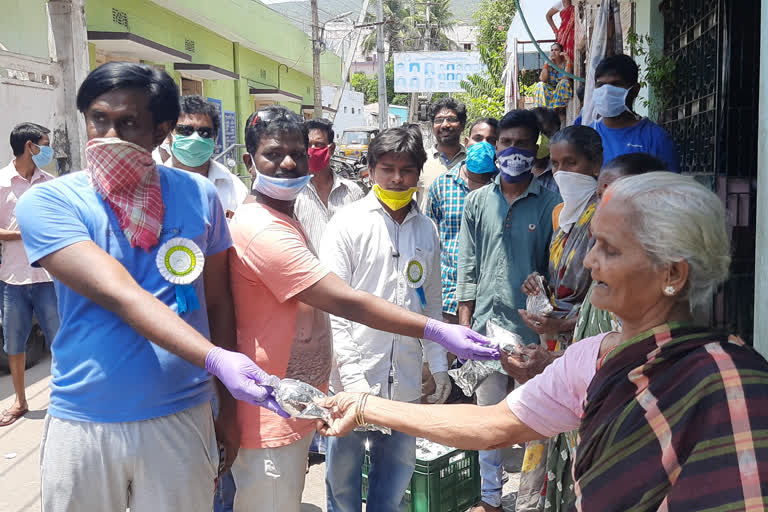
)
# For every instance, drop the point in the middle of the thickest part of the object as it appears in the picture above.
(126, 176)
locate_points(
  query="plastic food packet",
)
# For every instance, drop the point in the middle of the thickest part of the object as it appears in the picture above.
(539, 304)
(473, 373)
(299, 399)
(427, 450)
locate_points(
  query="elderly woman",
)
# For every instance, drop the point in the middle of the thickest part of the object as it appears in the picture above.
(671, 416)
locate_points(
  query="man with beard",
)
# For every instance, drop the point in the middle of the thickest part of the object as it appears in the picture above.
(448, 120)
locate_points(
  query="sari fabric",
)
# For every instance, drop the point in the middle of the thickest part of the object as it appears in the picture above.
(675, 419)
(566, 33)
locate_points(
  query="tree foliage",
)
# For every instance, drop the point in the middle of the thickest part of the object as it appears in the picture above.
(404, 23)
(369, 86)
(484, 94)
(493, 18)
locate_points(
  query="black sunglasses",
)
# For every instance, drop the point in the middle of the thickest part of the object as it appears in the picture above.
(205, 132)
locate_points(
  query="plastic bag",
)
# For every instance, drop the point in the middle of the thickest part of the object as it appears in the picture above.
(539, 304)
(427, 450)
(299, 399)
(473, 373)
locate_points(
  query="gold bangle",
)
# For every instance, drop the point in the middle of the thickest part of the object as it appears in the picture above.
(359, 420)
(363, 403)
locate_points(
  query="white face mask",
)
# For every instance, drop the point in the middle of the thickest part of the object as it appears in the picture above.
(610, 100)
(282, 189)
(576, 190)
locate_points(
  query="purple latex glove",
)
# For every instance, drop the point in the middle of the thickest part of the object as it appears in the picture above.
(460, 340)
(243, 378)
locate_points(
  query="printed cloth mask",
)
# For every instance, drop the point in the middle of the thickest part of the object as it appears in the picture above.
(394, 199)
(44, 157)
(126, 176)
(319, 158)
(192, 150)
(576, 190)
(481, 158)
(610, 100)
(515, 164)
(282, 189)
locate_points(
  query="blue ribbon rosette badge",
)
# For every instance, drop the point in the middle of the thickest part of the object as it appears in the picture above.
(180, 261)
(414, 276)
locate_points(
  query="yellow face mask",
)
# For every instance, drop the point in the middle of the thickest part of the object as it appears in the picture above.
(395, 200)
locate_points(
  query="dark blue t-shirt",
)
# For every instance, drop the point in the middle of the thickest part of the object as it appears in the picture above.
(645, 137)
(103, 370)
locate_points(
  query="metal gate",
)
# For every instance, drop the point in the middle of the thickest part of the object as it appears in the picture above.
(713, 119)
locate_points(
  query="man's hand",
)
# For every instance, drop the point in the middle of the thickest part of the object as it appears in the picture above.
(460, 340)
(442, 388)
(243, 378)
(530, 362)
(228, 434)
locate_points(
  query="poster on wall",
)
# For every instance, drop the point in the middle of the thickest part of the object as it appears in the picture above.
(219, 138)
(434, 71)
(230, 129)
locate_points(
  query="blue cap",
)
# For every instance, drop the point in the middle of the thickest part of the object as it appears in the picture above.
(480, 158)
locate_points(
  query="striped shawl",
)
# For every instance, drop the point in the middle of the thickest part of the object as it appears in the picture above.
(675, 419)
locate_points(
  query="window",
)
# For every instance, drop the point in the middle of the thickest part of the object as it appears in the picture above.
(345, 110)
(353, 110)
(190, 87)
(467, 46)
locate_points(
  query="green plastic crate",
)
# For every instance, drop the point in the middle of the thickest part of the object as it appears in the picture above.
(450, 483)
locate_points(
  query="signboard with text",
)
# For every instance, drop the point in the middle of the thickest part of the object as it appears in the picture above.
(434, 71)
(219, 138)
(230, 128)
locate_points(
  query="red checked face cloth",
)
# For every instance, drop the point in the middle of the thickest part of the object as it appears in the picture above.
(126, 176)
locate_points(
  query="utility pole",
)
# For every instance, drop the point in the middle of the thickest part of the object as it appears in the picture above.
(383, 106)
(316, 47)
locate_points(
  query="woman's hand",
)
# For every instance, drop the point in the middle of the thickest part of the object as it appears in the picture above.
(542, 324)
(530, 362)
(343, 407)
(531, 284)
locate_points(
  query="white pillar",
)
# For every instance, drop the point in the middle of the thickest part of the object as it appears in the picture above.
(761, 256)
(69, 48)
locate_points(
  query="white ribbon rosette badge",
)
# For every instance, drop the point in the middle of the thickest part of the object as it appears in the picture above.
(180, 261)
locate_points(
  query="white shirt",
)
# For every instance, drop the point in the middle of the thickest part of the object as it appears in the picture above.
(230, 189)
(15, 268)
(314, 215)
(370, 251)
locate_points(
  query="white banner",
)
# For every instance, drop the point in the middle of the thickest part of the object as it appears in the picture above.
(434, 71)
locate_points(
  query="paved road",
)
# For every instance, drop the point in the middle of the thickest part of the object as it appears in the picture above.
(20, 445)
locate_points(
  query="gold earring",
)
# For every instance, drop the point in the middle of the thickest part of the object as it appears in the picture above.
(669, 291)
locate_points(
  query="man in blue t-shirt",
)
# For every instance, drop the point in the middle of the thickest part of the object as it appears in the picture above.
(138, 252)
(623, 131)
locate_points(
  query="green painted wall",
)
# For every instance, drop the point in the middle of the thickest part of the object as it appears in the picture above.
(24, 27)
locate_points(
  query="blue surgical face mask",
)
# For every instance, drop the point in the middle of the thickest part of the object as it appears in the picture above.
(481, 158)
(515, 164)
(282, 189)
(610, 100)
(44, 157)
(192, 150)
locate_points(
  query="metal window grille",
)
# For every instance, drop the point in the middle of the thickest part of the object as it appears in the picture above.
(120, 17)
(189, 45)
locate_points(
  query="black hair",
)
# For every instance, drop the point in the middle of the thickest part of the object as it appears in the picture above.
(159, 86)
(580, 90)
(198, 105)
(558, 44)
(273, 120)
(520, 119)
(631, 164)
(493, 123)
(23, 132)
(404, 140)
(547, 117)
(451, 104)
(323, 125)
(584, 139)
(621, 65)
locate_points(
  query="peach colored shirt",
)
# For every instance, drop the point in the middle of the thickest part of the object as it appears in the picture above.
(269, 264)
(15, 268)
